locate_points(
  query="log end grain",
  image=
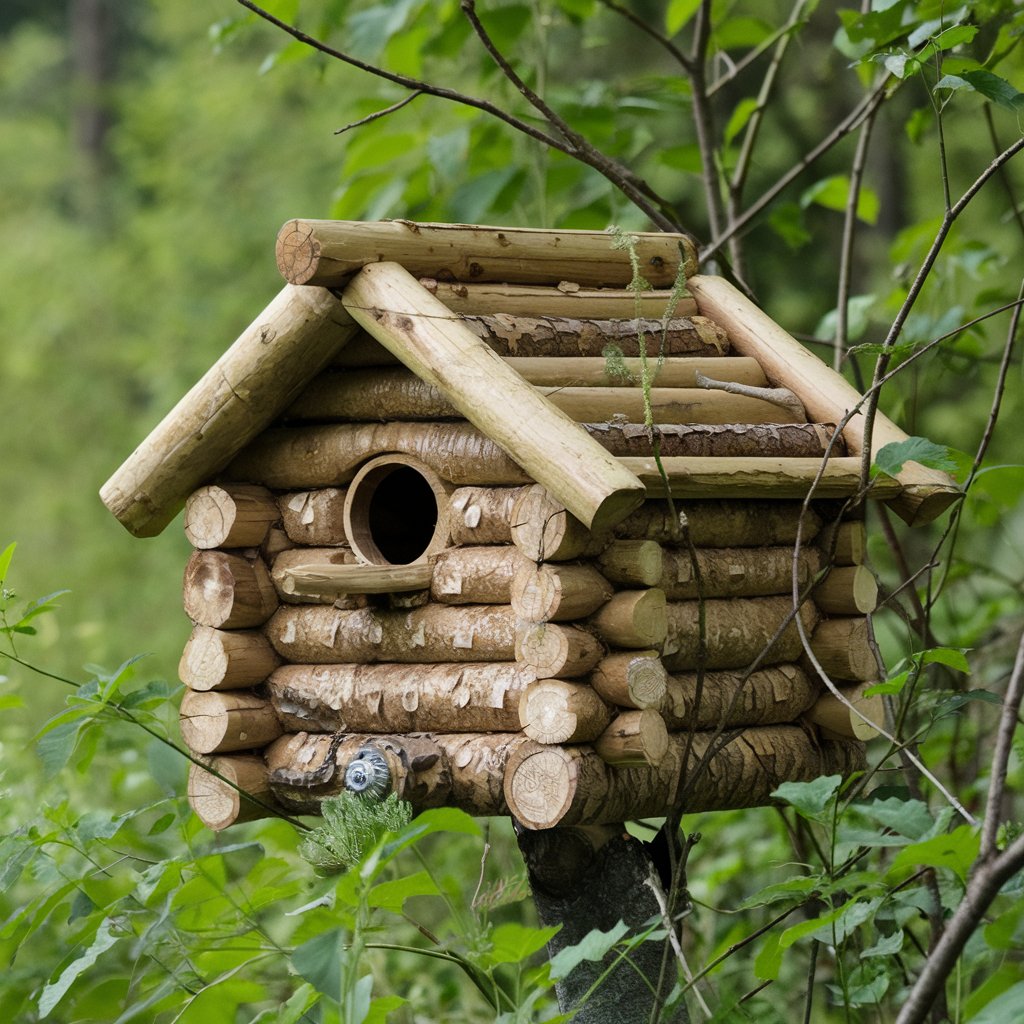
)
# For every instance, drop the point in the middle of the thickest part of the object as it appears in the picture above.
(298, 252)
(219, 803)
(540, 783)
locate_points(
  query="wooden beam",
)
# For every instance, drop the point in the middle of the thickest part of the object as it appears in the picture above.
(258, 377)
(397, 310)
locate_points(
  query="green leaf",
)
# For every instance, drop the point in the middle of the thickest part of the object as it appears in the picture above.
(834, 193)
(593, 946)
(57, 745)
(392, 895)
(809, 799)
(833, 927)
(995, 88)
(512, 943)
(768, 961)
(1004, 1009)
(793, 889)
(5, 560)
(679, 12)
(909, 818)
(319, 961)
(889, 945)
(740, 116)
(381, 1007)
(891, 457)
(56, 990)
(954, 851)
(892, 685)
(472, 200)
(950, 656)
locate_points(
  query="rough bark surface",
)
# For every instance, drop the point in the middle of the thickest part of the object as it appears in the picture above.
(714, 440)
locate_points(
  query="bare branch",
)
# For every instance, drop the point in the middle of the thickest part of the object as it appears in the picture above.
(378, 114)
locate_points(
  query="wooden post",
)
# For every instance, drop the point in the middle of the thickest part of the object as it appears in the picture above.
(240, 395)
(392, 306)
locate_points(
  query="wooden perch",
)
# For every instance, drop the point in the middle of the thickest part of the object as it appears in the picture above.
(216, 659)
(737, 631)
(631, 679)
(400, 698)
(557, 652)
(220, 802)
(782, 397)
(558, 593)
(734, 572)
(314, 518)
(328, 252)
(768, 696)
(564, 299)
(212, 722)
(229, 516)
(634, 738)
(924, 493)
(837, 718)
(715, 440)
(560, 786)
(240, 395)
(483, 515)
(294, 571)
(227, 591)
(316, 635)
(634, 619)
(598, 372)
(559, 337)
(843, 649)
(561, 711)
(847, 590)
(389, 303)
(330, 581)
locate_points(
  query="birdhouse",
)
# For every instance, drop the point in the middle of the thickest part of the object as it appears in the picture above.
(482, 518)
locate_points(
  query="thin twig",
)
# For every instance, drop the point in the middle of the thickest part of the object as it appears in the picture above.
(378, 114)
(641, 23)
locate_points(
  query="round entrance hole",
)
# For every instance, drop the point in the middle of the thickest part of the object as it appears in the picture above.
(396, 511)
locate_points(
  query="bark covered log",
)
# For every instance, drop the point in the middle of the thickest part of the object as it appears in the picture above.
(843, 648)
(631, 679)
(483, 515)
(557, 651)
(229, 516)
(634, 738)
(314, 518)
(475, 575)
(214, 722)
(216, 659)
(227, 591)
(847, 590)
(220, 800)
(558, 593)
(599, 372)
(734, 572)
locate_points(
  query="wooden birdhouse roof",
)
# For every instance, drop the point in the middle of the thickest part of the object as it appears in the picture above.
(464, 308)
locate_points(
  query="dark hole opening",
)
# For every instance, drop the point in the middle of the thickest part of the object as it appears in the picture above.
(402, 516)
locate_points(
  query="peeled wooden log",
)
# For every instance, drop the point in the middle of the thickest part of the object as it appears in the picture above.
(634, 619)
(314, 518)
(215, 722)
(560, 786)
(562, 337)
(632, 563)
(227, 591)
(634, 738)
(237, 398)
(631, 679)
(843, 649)
(317, 635)
(717, 523)
(735, 572)
(768, 696)
(565, 299)
(714, 439)
(311, 562)
(545, 531)
(400, 698)
(558, 593)
(737, 630)
(839, 720)
(475, 575)
(408, 320)
(599, 372)
(756, 477)
(324, 456)
(843, 543)
(923, 493)
(483, 515)
(328, 252)
(554, 651)
(847, 590)
(561, 711)
(222, 801)
(229, 516)
(216, 659)
(463, 770)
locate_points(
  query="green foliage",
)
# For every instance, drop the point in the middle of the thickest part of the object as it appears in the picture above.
(352, 826)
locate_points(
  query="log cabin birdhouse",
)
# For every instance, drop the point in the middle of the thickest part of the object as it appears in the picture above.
(481, 520)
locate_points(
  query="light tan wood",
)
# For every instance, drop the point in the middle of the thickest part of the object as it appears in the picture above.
(229, 516)
(392, 306)
(557, 652)
(220, 800)
(274, 543)
(216, 659)
(558, 593)
(847, 590)
(564, 299)
(561, 711)
(843, 543)
(736, 631)
(213, 723)
(475, 575)
(396, 511)
(735, 572)
(312, 563)
(328, 252)
(925, 493)
(400, 698)
(313, 579)
(598, 372)
(315, 634)
(843, 649)
(635, 619)
(238, 397)
(768, 696)
(716, 523)
(632, 563)
(631, 679)
(753, 477)
(634, 738)
(314, 518)
(227, 591)
(837, 718)
(549, 786)
(483, 515)
(715, 440)
(545, 531)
